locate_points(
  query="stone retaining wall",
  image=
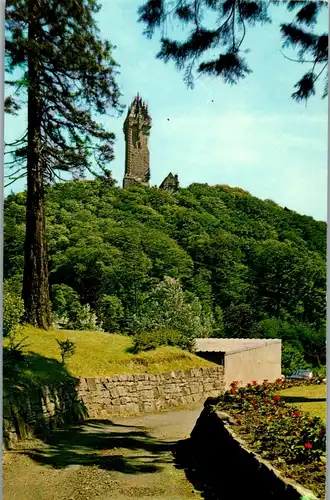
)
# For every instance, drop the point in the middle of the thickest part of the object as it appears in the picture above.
(31, 411)
(137, 393)
(218, 463)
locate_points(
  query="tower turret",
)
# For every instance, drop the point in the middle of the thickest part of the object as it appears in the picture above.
(136, 128)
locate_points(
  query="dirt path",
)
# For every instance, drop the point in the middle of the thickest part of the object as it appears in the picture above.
(121, 458)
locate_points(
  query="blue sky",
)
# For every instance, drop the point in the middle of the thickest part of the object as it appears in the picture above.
(252, 136)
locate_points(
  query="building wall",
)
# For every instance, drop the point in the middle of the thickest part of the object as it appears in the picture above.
(259, 363)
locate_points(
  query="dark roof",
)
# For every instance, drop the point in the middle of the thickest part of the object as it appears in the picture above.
(229, 346)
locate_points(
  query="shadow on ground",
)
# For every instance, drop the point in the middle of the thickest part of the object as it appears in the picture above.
(301, 399)
(103, 444)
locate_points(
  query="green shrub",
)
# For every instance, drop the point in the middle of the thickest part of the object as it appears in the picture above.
(292, 359)
(13, 310)
(147, 341)
(69, 313)
(168, 307)
(83, 318)
(321, 371)
(13, 354)
(110, 311)
(68, 348)
(63, 297)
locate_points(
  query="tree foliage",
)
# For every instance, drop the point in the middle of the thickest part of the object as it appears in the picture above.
(216, 31)
(60, 73)
(225, 261)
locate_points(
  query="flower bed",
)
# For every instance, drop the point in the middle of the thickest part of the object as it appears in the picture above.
(294, 442)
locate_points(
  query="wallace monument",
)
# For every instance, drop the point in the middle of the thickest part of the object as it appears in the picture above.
(137, 128)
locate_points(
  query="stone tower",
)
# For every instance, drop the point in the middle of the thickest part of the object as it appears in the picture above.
(137, 127)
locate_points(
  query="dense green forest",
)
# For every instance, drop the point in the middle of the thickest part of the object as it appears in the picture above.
(205, 261)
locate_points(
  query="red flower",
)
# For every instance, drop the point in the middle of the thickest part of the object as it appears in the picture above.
(254, 382)
(234, 383)
(266, 400)
(322, 431)
(253, 401)
(276, 398)
(296, 414)
(233, 390)
(308, 445)
(310, 420)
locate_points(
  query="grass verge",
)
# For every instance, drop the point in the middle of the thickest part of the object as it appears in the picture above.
(101, 355)
(309, 399)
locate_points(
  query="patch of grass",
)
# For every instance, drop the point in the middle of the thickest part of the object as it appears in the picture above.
(310, 399)
(102, 354)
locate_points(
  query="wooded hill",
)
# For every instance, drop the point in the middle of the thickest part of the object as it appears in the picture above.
(259, 269)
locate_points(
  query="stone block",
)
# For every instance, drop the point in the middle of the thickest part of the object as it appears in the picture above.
(194, 387)
(122, 391)
(147, 394)
(91, 384)
(114, 393)
(132, 407)
(148, 406)
(185, 390)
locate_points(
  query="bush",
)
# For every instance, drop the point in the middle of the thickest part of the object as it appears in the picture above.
(147, 341)
(110, 311)
(82, 318)
(13, 310)
(321, 371)
(69, 313)
(63, 298)
(68, 348)
(292, 359)
(168, 307)
(13, 354)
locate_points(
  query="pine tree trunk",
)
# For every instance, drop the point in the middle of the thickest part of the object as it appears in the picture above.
(35, 280)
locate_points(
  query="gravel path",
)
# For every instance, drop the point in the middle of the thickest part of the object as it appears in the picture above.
(121, 458)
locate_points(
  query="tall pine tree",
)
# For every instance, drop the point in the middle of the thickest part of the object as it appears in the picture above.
(63, 75)
(217, 30)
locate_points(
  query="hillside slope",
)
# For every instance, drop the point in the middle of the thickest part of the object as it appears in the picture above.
(99, 355)
(246, 259)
